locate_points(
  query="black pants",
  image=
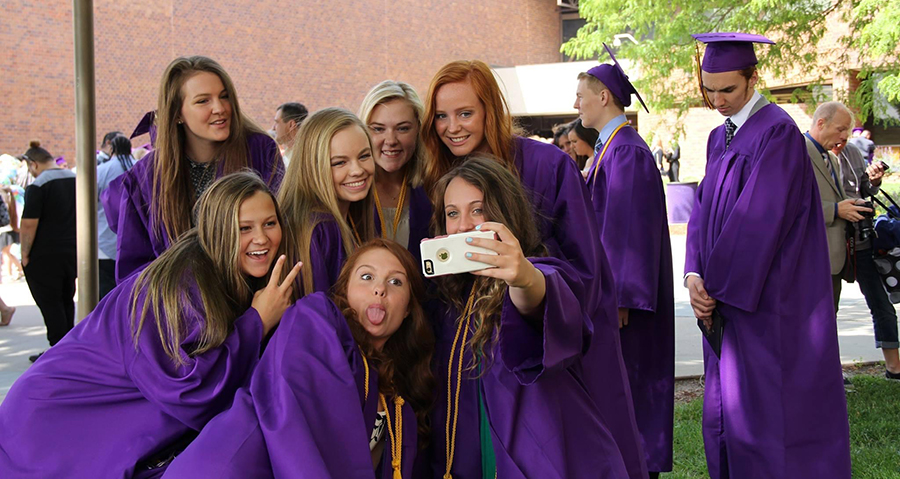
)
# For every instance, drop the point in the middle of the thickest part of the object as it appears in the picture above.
(673, 171)
(107, 273)
(51, 279)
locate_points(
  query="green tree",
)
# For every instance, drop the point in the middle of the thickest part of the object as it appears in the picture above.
(665, 52)
(876, 34)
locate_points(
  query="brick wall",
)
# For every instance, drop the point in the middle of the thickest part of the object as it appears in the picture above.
(320, 53)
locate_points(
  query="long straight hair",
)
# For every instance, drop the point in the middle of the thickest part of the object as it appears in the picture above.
(404, 362)
(505, 201)
(307, 191)
(209, 257)
(499, 128)
(173, 195)
(390, 90)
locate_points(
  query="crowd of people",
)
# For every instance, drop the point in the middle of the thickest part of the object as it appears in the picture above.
(265, 312)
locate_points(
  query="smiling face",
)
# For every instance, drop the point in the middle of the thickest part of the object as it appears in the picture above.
(260, 234)
(378, 291)
(728, 91)
(459, 118)
(206, 108)
(463, 206)
(352, 168)
(395, 131)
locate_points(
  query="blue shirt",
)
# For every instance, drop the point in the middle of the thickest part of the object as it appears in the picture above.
(106, 239)
(607, 131)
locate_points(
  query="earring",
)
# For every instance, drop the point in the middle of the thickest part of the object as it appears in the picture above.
(180, 122)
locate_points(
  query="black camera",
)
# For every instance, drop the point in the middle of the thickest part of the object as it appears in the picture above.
(866, 226)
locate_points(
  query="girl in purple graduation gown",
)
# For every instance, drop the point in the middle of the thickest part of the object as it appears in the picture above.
(326, 197)
(393, 113)
(162, 354)
(511, 339)
(334, 369)
(465, 112)
(201, 135)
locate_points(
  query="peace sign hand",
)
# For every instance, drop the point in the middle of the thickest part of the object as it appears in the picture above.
(271, 301)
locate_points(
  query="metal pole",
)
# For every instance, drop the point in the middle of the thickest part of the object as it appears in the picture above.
(86, 179)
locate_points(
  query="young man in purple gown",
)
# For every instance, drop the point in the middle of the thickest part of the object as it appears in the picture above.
(627, 194)
(756, 255)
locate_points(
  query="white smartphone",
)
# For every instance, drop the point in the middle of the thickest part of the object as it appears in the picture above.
(447, 254)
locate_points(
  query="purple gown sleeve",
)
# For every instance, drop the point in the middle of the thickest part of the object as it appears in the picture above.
(761, 219)
(692, 263)
(327, 255)
(134, 246)
(566, 328)
(205, 384)
(632, 238)
(307, 398)
(265, 158)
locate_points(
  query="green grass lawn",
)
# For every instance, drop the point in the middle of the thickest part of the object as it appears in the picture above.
(874, 407)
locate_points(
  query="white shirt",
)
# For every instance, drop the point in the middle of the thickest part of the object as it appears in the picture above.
(742, 116)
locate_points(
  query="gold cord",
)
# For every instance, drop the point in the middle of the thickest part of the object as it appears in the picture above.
(396, 445)
(355, 232)
(596, 167)
(397, 214)
(450, 432)
(366, 366)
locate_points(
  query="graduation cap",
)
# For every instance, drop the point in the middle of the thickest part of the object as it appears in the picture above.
(614, 77)
(146, 125)
(725, 52)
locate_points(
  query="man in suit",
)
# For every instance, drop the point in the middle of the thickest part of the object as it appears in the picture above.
(831, 125)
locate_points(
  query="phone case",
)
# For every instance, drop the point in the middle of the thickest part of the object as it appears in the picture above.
(447, 254)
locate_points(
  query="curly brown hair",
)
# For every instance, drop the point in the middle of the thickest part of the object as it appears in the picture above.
(505, 201)
(404, 362)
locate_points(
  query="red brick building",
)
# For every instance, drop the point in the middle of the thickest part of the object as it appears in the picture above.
(316, 52)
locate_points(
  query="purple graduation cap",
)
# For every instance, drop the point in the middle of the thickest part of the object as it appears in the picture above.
(727, 52)
(146, 125)
(614, 77)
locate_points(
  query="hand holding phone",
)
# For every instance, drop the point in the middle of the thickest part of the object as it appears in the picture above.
(447, 254)
(507, 258)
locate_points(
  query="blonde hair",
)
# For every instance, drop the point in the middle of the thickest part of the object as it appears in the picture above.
(173, 195)
(390, 90)
(307, 191)
(208, 256)
(499, 128)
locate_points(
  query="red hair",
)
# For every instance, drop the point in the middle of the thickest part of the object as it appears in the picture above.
(499, 129)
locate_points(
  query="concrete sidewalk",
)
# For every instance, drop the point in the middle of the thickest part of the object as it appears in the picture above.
(27, 334)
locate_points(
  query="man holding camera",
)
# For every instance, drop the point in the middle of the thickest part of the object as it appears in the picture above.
(831, 125)
(862, 181)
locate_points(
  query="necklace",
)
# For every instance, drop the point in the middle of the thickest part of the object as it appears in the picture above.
(397, 214)
(453, 408)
